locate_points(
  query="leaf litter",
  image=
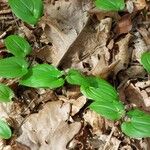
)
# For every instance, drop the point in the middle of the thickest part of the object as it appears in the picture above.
(74, 34)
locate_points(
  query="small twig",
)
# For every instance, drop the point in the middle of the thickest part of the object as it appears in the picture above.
(109, 138)
(2, 12)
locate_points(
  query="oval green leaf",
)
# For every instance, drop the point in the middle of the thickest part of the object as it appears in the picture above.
(6, 94)
(110, 110)
(110, 5)
(76, 78)
(138, 125)
(145, 60)
(5, 131)
(27, 10)
(43, 76)
(17, 45)
(99, 90)
(13, 67)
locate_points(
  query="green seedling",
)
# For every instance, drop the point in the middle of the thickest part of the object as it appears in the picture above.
(145, 61)
(111, 110)
(43, 76)
(29, 11)
(74, 77)
(17, 45)
(92, 87)
(110, 5)
(105, 97)
(5, 131)
(6, 94)
(99, 90)
(13, 67)
(138, 124)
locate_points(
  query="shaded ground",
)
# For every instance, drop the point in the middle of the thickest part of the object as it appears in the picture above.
(74, 34)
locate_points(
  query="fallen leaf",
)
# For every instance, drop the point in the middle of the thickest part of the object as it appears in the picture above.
(63, 22)
(139, 47)
(124, 25)
(124, 54)
(48, 129)
(140, 4)
(89, 46)
(76, 104)
(95, 120)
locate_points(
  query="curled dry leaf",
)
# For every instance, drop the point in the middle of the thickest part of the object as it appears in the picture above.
(63, 22)
(124, 54)
(137, 94)
(48, 129)
(102, 69)
(124, 25)
(89, 46)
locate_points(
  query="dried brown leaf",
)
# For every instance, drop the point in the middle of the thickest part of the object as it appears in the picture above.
(48, 129)
(63, 22)
(124, 54)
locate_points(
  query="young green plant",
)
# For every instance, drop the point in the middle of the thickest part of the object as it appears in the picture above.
(110, 5)
(145, 61)
(28, 11)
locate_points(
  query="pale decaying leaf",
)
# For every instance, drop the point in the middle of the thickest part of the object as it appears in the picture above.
(124, 53)
(146, 35)
(63, 22)
(48, 129)
(76, 104)
(5, 109)
(95, 120)
(113, 144)
(139, 47)
(102, 69)
(140, 4)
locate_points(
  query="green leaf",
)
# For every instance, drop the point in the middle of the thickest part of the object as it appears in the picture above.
(6, 94)
(138, 125)
(145, 60)
(43, 76)
(5, 131)
(27, 10)
(76, 78)
(99, 90)
(110, 5)
(13, 67)
(17, 45)
(110, 110)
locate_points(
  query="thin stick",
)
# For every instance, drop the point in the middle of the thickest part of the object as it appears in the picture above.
(109, 138)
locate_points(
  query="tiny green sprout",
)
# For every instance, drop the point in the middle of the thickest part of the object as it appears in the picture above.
(43, 76)
(17, 45)
(5, 131)
(138, 124)
(6, 94)
(13, 67)
(145, 61)
(27, 10)
(110, 5)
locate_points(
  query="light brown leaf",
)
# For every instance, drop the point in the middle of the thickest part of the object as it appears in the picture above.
(63, 22)
(48, 129)
(124, 54)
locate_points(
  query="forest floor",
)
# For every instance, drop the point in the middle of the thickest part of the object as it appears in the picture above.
(74, 34)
